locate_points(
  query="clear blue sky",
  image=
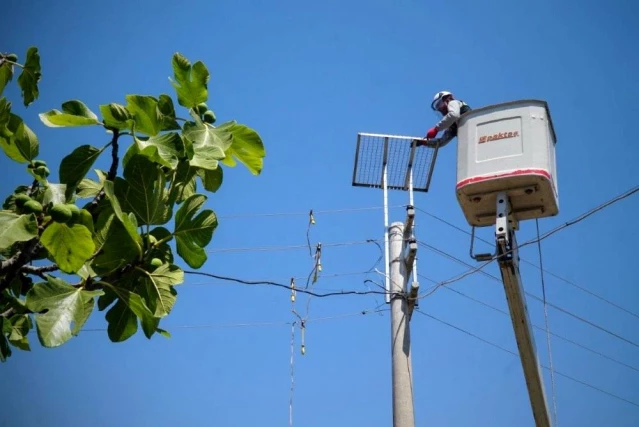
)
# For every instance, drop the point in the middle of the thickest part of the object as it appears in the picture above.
(308, 76)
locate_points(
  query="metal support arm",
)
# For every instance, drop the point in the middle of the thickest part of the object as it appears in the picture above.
(508, 258)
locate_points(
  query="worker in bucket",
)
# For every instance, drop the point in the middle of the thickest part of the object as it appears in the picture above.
(451, 109)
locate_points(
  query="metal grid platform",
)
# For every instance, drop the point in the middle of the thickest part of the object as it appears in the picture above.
(400, 155)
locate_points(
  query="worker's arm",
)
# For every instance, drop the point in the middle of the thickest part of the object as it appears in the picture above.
(454, 108)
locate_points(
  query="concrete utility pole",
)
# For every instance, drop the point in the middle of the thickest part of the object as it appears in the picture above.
(403, 411)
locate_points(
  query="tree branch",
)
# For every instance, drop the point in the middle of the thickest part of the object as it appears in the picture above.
(113, 171)
(10, 267)
(39, 271)
(282, 285)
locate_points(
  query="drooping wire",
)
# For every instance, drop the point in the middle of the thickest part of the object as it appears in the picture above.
(543, 292)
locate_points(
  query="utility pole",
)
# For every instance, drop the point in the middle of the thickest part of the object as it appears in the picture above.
(403, 411)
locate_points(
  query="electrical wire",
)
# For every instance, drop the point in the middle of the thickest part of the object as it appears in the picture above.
(485, 341)
(325, 211)
(543, 292)
(281, 285)
(535, 297)
(289, 247)
(505, 313)
(563, 279)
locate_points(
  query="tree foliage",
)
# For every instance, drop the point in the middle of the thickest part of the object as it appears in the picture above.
(66, 246)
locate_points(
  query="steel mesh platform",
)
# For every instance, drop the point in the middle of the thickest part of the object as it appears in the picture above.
(400, 155)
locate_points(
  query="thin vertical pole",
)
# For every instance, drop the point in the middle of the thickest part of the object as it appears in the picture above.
(411, 202)
(386, 231)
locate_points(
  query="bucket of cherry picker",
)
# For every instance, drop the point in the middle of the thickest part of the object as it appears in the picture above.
(507, 148)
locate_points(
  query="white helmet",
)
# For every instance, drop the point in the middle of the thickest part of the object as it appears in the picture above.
(438, 97)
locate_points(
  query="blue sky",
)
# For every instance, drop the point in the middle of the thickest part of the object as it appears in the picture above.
(309, 77)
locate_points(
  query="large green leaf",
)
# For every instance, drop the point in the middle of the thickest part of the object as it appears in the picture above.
(70, 246)
(208, 143)
(74, 113)
(30, 76)
(184, 183)
(192, 233)
(190, 81)
(16, 138)
(64, 305)
(6, 74)
(247, 147)
(116, 116)
(5, 329)
(88, 188)
(116, 245)
(136, 304)
(159, 287)
(20, 327)
(56, 194)
(145, 192)
(129, 221)
(167, 113)
(165, 149)
(123, 323)
(76, 165)
(145, 113)
(16, 228)
(211, 179)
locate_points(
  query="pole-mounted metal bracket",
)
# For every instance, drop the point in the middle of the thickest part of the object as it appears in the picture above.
(412, 299)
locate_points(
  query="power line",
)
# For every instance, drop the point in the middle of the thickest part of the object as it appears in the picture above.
(287, 287)
(290, 247)
(505, 313)
(495, 278)
(325, 211)
(563, 279)
(485, 341)
(544, 236)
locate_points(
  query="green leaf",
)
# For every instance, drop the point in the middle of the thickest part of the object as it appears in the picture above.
(116, 245)
(146, 115)
(135, 303)
(76, 165)
(159, 287)
(123, 323)
(193, 233)
(16, 228)
(184, 183)
(247, 147)
(17, 140)
(190, 82)
(209, 144)
(116, 116)
(167, 113)
(30, 76)
(56, 194)
(5, 350)
(164, 333)
(6, 74)
(145, 192)
(21, 325)
(64, 305)
(88, 188)
(163, 251)
(129, 221)
(211, 179)
(165, 149)
(74, 113)
(70, 246)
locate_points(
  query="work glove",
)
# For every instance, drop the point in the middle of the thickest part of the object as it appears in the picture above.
(432, 133)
